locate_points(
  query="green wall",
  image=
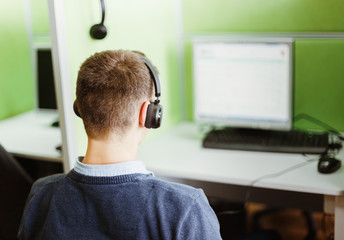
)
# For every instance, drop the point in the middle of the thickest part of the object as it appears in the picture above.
(150, 26)
(318, 71)
(202, 16)
(17, 86)
(16, 77)
(319, 81)
(39, 17)
(145, 25)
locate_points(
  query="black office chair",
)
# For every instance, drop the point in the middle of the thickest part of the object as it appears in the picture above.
(15, 185)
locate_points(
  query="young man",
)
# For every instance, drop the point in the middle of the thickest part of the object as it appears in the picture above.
(108, 194)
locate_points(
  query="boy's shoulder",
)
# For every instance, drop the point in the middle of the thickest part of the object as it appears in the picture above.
(174, 189)
(50, 179)
(47, 181)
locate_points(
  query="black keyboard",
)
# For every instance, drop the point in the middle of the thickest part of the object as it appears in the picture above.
(268, 141)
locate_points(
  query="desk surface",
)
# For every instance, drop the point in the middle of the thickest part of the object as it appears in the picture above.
(177, 153)
(30, 135)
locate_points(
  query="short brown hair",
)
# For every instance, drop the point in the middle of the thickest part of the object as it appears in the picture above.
(111, 87)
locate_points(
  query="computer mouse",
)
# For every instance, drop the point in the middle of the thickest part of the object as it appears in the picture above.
(328, 164)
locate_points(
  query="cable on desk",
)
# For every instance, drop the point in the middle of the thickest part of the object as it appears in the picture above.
(280, 173)
(334, 144)
(272, 175)
(319, 123)
(277, 174)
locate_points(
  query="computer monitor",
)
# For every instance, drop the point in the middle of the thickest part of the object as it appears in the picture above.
(244, 83)
(45, 86)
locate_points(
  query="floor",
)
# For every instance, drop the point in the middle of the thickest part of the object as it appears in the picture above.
(236, 222)
(291, 223)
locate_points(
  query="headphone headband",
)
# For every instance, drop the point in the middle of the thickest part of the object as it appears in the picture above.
(154, 110)
(154, 74)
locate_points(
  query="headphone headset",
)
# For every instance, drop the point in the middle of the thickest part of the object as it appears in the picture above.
(154, 110)
(98, 31)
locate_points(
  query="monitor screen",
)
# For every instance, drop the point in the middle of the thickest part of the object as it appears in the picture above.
(243, 83)
(45, 80)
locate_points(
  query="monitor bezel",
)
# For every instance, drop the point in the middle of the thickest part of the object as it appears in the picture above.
(255, 124)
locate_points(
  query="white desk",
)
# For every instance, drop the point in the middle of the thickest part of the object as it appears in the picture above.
(30, 135)
(177, 154)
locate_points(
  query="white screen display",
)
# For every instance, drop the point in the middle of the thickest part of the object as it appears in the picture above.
(245, 84)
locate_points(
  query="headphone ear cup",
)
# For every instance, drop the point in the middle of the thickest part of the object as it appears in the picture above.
(76, 110)
(149, 115)
(98, 31)
(154, 115)
(158, 113)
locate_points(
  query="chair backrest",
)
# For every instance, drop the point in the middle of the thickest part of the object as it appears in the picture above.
(15, 185)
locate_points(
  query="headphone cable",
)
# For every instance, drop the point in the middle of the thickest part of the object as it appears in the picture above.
(319, 123)
(273, 175)
(102, 3)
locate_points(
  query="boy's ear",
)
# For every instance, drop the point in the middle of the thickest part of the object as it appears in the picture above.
(143, 113)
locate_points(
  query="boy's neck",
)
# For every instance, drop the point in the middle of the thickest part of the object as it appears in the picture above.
(114, 149)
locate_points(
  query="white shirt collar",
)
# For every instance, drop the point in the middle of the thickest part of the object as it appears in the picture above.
(110, 170)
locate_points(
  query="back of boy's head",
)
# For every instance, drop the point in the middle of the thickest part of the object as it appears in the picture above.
(111, 87)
